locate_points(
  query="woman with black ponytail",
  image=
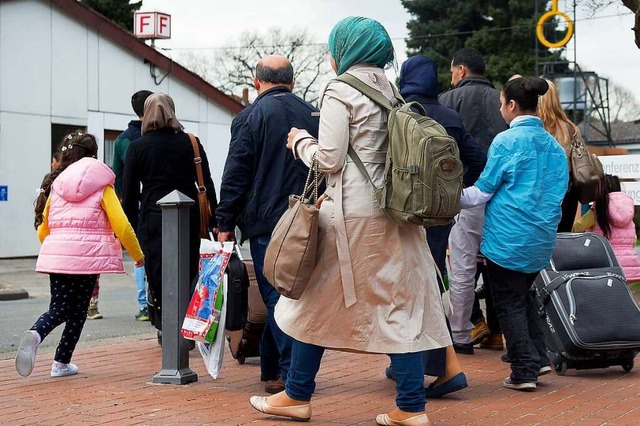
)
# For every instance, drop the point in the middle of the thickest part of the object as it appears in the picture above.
(523, 185)
(76, 214)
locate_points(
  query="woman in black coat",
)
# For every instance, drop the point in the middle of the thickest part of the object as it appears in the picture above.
(162, 160)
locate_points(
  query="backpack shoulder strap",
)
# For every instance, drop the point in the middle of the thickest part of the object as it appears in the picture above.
(360, 165)
(368, 91)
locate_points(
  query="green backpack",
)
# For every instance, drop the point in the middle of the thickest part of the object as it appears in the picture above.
(423, 171)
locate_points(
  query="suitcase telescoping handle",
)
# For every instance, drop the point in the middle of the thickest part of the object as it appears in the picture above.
(559, 280)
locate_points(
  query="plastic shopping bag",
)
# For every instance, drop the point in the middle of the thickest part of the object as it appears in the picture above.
(212, 353)
(205, 309)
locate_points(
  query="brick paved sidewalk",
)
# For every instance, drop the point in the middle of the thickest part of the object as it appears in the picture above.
(114, 387)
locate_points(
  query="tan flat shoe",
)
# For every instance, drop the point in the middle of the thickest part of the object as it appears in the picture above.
(419, 420)
(301, 413)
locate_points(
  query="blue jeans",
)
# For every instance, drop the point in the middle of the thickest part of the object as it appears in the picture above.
(139, 276)
(515, 304)
(270, 297)
(409, 370)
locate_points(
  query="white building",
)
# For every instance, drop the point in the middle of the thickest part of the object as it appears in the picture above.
(63, 67)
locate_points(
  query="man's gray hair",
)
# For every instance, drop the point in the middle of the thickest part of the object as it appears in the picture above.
(282, 75)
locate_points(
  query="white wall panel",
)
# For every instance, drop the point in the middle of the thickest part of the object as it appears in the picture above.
(218, 115)
(217, 147)
(118, 121)
(116, 70)
(186, 100)
(144, 81)
(24, 160)
(25, 57)
(93, 71)
(69, 66)
(95, 126)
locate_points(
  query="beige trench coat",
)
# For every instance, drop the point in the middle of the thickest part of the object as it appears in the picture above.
(374, 285)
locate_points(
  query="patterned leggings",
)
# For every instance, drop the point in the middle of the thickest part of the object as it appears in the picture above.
(70, 296)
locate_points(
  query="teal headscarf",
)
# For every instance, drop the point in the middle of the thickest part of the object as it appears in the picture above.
(356, 40)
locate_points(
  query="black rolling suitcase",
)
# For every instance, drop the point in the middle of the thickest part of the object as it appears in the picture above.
(237, 294)
(591, 319)
(246, 313)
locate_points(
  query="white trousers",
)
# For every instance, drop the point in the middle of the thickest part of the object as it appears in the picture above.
(464, 246)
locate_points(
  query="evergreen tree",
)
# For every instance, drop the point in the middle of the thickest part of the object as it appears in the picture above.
(502, 30)
(119, 11)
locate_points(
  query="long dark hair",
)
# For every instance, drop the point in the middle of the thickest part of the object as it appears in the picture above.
(73, 147)
(610, 184)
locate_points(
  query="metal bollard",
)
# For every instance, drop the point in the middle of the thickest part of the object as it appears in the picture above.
(175, 289)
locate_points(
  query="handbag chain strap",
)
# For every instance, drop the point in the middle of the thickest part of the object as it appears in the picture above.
(311, 188)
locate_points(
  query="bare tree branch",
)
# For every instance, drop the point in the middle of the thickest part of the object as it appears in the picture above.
(623, 105)
(233, 69)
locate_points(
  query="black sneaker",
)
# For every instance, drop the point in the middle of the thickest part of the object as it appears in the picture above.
(143, 315)
(463, 348)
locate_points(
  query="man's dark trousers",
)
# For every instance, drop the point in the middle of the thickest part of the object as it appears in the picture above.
(270, 296)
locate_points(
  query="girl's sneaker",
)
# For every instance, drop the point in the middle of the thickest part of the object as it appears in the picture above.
(59, 369)
(26, 357)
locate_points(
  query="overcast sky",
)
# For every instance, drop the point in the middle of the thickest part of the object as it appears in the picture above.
(604, 42)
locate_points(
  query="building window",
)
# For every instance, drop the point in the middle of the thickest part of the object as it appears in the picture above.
(109, 145)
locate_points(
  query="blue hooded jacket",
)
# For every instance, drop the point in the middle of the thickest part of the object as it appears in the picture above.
(419, 83)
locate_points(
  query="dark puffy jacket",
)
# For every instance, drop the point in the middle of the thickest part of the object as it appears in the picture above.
(419, 83)
(260, 172)
(478, 103)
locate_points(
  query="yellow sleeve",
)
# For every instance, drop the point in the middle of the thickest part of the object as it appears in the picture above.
(585, 223)
(120, 224)
(43, 228)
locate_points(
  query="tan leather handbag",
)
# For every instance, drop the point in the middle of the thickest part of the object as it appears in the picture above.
(291, 253)
(586, 170)
(203, 201)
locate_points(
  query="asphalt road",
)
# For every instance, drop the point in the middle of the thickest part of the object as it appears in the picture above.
(117, 304)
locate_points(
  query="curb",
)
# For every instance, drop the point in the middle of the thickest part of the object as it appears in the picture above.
(8, 292)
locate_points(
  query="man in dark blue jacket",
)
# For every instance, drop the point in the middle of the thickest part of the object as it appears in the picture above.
(259, 175)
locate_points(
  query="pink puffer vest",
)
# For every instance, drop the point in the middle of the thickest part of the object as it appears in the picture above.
(623, 234)
(81, 239)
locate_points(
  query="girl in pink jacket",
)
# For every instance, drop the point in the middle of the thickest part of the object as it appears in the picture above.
(77, 213)
(612, 216)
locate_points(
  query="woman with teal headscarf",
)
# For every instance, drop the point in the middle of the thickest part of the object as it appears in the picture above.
(357, 40)
(373, 288)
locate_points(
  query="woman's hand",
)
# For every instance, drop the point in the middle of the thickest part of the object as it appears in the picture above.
(140, 263)
(292, 134)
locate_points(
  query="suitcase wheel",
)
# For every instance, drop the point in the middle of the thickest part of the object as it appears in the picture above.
(628, 366)
(561, 368)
